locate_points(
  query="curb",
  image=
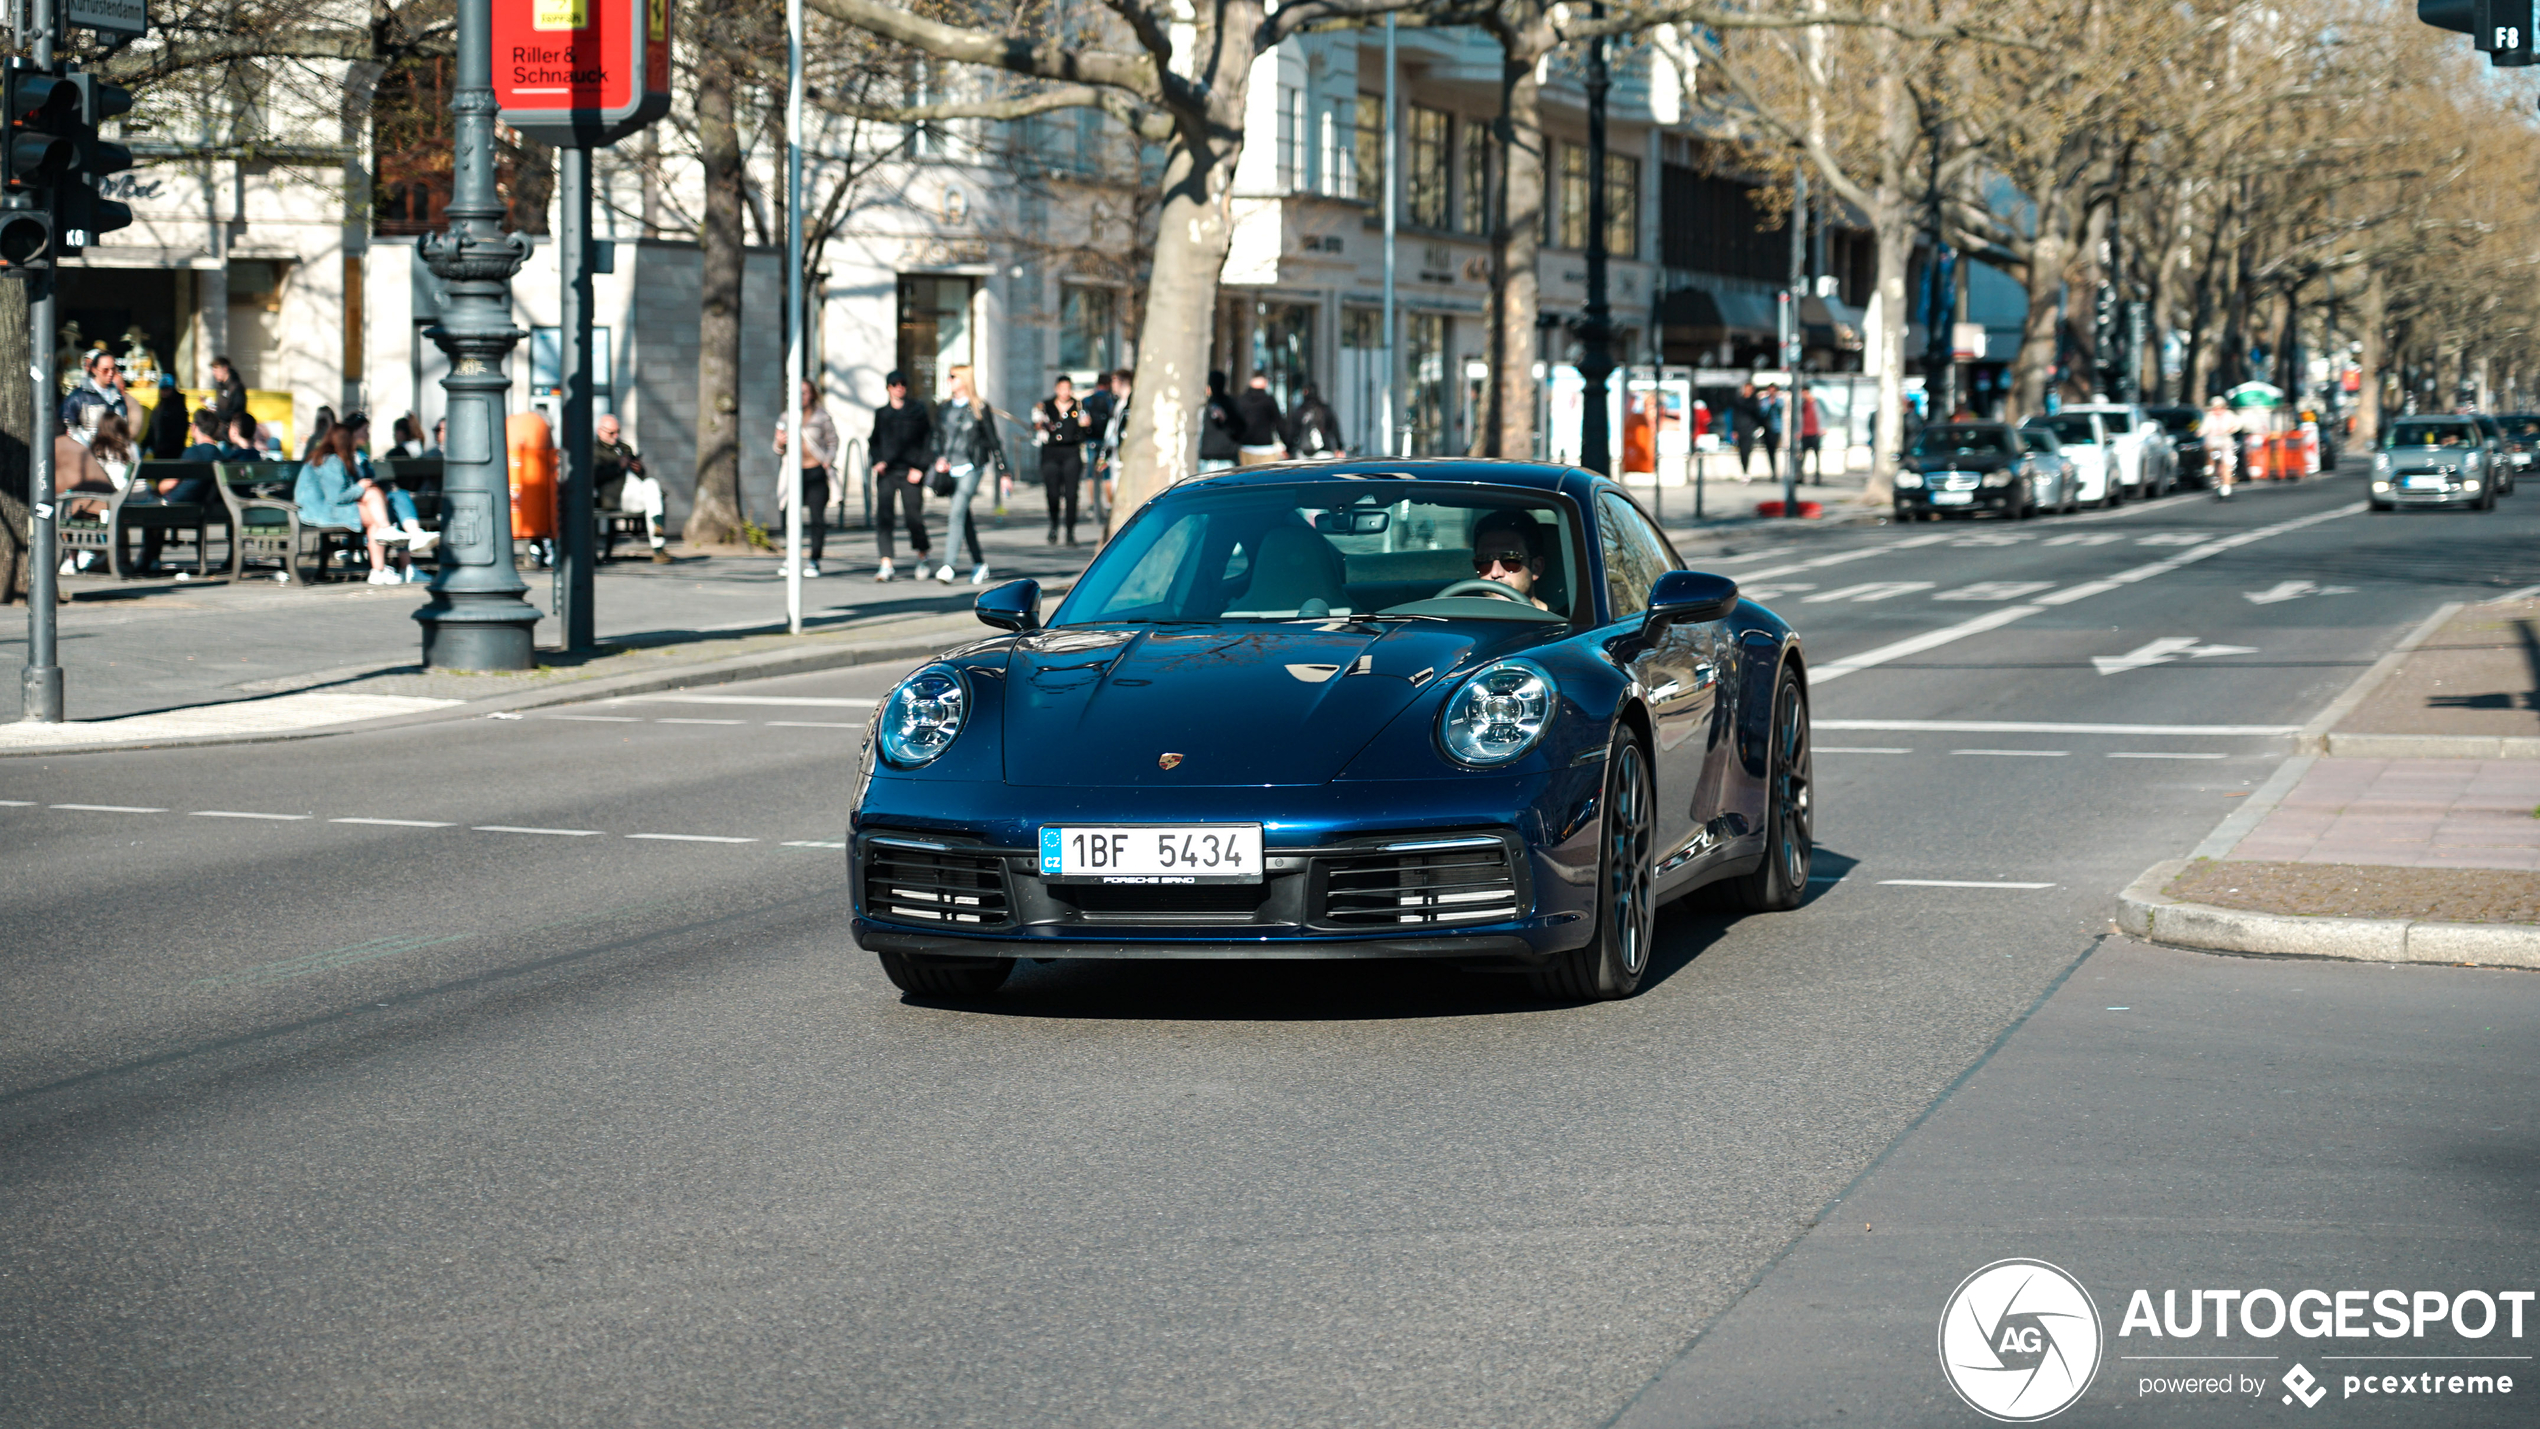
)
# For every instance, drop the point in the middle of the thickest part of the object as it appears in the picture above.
(764, 664)
(2315, 737)
(2431, 746)
(2146, 912)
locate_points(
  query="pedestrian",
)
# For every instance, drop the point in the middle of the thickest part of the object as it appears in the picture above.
(406, 437)
(819, 455)
(319, 426)
(1812, 435)
(169, 421)
(99, 392)
(1771, 436)
(1113, 438)
(1257, 424)
(1217, 427)
(618, 483)
(966, 450)
(2221, 433)
(1314, 430)
(229, 393)
(1746, 422)
(1061, 426)
(440, 428)
(902, 436)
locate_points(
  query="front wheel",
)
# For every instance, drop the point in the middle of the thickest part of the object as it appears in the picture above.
(1614, 961)
(945, 977)
(1790, 817)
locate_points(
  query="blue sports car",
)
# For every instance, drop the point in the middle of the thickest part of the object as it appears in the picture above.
(1466, 710)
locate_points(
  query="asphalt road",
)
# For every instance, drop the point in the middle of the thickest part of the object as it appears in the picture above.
(521, 1071)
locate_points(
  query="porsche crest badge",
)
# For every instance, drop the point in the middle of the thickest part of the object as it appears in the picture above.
(1168, 761)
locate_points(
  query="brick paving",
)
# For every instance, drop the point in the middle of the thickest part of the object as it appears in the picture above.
(2406, 813)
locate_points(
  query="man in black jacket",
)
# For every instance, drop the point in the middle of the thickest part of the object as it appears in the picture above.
(1259, 423)
(1217, 426)
(903, 437)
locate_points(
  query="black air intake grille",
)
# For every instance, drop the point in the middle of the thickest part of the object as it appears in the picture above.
(947, 888)
(1431, 887)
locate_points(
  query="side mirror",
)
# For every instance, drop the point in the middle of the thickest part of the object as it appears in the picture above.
(1688, 595)
(1014, 606)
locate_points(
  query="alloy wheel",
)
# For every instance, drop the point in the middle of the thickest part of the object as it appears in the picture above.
(1792, 776)
(1630, 833)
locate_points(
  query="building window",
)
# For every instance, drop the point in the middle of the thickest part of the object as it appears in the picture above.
(1424, 352)
(1291, 138)
(1622, 205)
(1085, 318)
(1473, 176)
(1370, 147)
(1283, 349)
(1570, 198)
(1424, 168)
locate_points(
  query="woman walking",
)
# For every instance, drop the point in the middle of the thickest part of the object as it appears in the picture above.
(966, 449)
(1062, 425)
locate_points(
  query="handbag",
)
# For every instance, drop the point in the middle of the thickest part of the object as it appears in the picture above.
(941, 483)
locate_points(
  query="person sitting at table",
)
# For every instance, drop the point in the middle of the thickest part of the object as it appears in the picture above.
(207, 445)
(242, 440)
(195, 490)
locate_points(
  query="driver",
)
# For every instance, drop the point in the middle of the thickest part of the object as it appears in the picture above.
(1508, 548)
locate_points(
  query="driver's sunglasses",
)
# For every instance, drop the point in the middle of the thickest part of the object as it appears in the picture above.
(1483, 565)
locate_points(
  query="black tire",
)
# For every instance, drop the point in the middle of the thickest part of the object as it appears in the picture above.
(2113, 496)
(2382, 508)
(1780, 882)
(1613, 962)
(2028, 504)
(945, 977)
(2487, 497)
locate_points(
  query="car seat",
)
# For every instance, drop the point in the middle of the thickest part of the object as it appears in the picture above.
(1293, 569)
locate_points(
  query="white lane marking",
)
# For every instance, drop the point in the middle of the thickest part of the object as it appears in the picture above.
(1928, 640)
(1774, 591)
(2018, 753)
(238, 814)
(1994, 538)
(694, 838)
(1841, 557)
(1859, 749)
(810, 724)
(2084, 591)
(2171, 538)
(17, 803)
(2292, 590)
(2007, 726)
(2163, 651)
(2162, 754)
(515, 829)
(701, 721)
(603, 719)
(110, 808)
(2085, 538)
(1870, 591)
(1995, 590)
(1952, 883)
(398, 823)
(1752, 555)
(2526, 593)
(810, 843)
(826, 702)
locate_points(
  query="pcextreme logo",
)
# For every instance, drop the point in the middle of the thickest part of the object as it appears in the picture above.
(2019, 1340)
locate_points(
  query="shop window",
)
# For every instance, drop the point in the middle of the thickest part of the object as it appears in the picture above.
(1473, 176)
(1425, 167)
(1085, 318)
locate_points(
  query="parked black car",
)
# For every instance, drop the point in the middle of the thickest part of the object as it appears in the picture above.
(2184, 424)
(1962, 468)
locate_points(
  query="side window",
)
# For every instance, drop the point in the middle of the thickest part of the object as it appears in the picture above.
(1636, 555)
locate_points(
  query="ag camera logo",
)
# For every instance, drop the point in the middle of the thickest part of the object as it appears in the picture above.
(2019, 1341)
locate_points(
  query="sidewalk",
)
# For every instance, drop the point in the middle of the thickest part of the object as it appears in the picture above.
(1730, 503)
(275, 658)
(2401, 842)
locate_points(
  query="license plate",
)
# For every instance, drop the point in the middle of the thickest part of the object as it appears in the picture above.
(2421, 483)
(1953, 498)
(1152, 853)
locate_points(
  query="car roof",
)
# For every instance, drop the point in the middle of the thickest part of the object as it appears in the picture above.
(1476, 471)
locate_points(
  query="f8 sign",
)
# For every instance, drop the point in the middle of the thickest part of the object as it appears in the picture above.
(581, 73)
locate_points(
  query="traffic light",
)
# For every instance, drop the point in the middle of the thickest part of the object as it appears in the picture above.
(40, 151)
(2499, 29)
(80, 212)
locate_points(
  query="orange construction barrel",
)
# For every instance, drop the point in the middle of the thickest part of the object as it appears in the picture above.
(533, 469)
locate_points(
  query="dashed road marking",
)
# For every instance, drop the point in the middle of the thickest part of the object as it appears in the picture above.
(603, 719)
(242, 814)
(110, 808)
(2005, 726)
(1870, 591)
(810, 724)
(823, 702)
(1995, 590)
(1953, 883)
(700, 721)
(1860, 749)
(810, 843)
(516, 829)
(2162, 754)
(2018, 753)
(694, 838)
(400, 823)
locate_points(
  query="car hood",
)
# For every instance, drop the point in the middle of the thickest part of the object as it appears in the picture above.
(1241, 703)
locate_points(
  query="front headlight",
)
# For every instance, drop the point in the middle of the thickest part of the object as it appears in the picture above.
(2000, 478)
(2470, 485)
(1909, 481)
(923, 716)
(1498, 714)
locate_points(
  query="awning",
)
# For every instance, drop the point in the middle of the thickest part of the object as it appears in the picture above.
(1718, 312)
(1831, 322)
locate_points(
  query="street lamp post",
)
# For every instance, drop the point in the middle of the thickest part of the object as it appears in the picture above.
(1596, 320)
(476, 619)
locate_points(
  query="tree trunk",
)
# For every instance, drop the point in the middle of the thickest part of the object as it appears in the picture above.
(1516, 243)
(715, 515)
(17, 429)
(2374, 316)
(1893, 232)
(2034, 365)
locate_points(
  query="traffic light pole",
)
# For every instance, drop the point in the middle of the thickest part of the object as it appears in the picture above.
(41, 685)
(573, 500)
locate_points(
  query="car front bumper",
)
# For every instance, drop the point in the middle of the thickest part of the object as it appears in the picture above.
(1337, 881)
(1996, 499)
(2449, 495)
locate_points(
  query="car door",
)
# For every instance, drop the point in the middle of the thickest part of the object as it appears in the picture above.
(1678, 669)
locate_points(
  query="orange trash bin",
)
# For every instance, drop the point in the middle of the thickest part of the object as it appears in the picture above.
(533, 472)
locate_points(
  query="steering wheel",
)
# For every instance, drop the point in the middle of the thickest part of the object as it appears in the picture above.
(1480, 586)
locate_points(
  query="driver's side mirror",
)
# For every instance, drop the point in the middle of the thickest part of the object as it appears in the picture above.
(1014, 606)
(1688, 595)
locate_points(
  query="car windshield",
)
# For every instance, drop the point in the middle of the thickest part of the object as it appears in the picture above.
(2074, 429)
(2177, 421)
(1963, 441)
(2451, 432)
(1330, 549)
(2117, 423)
(2520, 427)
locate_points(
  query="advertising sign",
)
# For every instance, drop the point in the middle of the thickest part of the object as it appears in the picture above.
(581, 73)
(112, 17)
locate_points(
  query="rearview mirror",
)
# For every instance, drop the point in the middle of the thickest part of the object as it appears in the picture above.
(1353, 523)
(1014, 606)
(1688, 595)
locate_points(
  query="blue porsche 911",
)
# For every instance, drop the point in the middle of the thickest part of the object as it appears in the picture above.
(1461, 710)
